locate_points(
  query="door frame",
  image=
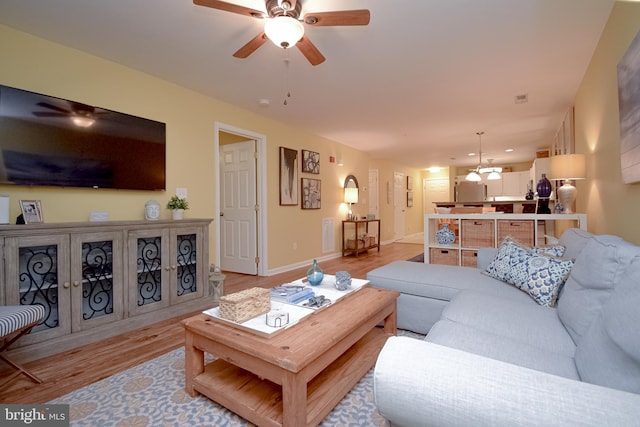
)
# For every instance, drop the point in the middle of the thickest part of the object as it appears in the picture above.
(261, 190)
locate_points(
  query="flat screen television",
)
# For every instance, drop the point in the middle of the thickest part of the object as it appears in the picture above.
(49, 141)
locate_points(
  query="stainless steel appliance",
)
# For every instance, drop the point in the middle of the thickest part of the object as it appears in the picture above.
(467, 191)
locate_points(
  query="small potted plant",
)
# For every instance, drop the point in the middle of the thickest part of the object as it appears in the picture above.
(177, 206)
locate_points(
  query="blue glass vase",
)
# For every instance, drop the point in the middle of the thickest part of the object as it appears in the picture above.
(315, 274)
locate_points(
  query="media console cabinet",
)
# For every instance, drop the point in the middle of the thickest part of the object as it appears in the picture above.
(100, 279)
(475, 231)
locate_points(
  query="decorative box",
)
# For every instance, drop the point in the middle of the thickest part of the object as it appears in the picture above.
(244, 305)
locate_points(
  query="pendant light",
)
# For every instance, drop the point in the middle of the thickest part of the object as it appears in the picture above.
(474, 175)
(493, 171)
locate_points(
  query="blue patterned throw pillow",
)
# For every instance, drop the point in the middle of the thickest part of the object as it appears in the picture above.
(536, 271)
(500, 266)
(541, 276)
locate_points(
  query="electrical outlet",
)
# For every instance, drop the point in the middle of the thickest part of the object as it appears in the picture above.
(181, 192)
(295, 246)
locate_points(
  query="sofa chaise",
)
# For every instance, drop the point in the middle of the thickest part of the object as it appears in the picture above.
(498, 353)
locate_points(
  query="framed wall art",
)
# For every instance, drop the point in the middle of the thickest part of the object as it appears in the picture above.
(31, 211)
(310, 162)
(629, 105)
(288, 177)
(311, 193)
(409, 199)
(409, 183)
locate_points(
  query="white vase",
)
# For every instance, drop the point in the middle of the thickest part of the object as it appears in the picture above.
(177, 213)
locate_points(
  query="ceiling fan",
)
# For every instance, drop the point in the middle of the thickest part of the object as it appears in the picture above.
(80, 114)
(284, 26)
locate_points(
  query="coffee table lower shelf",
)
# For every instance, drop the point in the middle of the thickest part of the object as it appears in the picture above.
(260, 400)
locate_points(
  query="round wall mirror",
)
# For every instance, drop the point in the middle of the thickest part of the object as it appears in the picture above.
(350, 182)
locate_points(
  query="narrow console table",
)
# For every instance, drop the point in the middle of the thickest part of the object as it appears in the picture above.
(355, 241)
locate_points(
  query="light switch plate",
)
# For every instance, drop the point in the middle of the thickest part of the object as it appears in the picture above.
(181, 192)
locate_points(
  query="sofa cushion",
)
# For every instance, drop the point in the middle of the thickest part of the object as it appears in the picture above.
(522, 321)
(503, 348)
(574, 240)
(436, 281)
(609, 352)
(531, 270)
(598, 267)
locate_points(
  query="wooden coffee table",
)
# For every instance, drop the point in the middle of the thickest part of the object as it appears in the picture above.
(296, 377)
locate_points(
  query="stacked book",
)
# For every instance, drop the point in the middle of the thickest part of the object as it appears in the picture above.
(292, 294)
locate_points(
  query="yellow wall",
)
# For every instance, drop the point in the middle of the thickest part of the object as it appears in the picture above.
(38, 65)
(611, 206)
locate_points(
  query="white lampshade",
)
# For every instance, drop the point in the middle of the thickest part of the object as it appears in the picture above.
(284, 31)
(473, 176)
(351, 195)
(568, 166)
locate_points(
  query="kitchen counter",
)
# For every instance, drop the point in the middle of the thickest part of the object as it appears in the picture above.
(506, 206)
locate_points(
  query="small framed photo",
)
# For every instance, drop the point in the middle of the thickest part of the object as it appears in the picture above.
(310, 162)
(31, 211)
(409, 199)
(409, 183)
(311, 194)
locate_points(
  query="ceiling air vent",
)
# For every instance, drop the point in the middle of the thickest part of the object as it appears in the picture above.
(521, 99)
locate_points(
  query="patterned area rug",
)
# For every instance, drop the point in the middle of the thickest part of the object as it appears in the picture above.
(152, 395)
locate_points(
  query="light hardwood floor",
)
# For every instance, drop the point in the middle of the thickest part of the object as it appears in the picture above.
(68, 371)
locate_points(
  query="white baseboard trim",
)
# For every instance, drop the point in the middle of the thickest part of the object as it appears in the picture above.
(300, 264)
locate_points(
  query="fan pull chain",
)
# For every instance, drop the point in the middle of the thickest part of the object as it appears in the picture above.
(286, 75)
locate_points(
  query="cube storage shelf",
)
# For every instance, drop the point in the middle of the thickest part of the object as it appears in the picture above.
(475, 231)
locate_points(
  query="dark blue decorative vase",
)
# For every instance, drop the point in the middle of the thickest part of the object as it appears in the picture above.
(445, 236)
(315, 274)
(544, 191)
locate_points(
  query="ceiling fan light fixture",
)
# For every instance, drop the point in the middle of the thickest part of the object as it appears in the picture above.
(83, 121)
(284, 31)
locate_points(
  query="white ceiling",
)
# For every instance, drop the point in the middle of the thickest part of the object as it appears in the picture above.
(414, 86)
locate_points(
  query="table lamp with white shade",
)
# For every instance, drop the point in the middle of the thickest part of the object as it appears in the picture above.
(567, 167)
(350, 196)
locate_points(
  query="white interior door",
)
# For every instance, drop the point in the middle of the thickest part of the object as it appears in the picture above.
(238, 213)
(399, 197)
(435, 190)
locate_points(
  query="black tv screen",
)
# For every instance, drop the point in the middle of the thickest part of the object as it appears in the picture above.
(51, 141)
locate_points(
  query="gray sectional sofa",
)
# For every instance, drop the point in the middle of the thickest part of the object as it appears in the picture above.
(494, 356)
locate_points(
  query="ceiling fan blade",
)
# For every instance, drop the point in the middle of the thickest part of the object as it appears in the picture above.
(230, 7)
(310, 51)
(252, 46)
(341, 17)
(53, 107)
(48, 114)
